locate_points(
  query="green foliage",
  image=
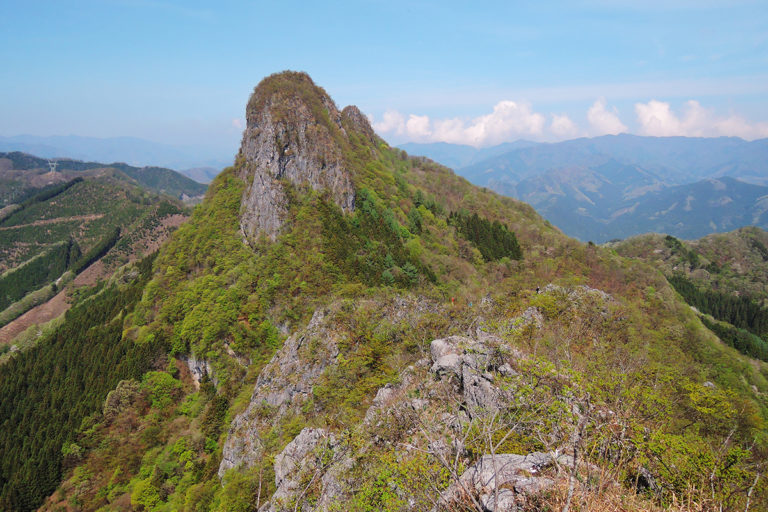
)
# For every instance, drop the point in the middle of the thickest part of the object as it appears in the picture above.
(145, 495)
(740, 339)
(88, 212)
(97, 251)
(51, 387)
(32, 299)
(158, 179)
(213, 418)
(741, 311)
(45, 194)
(161, 387)
(677, 247)
(493, 239)
(369, 246)
(240, 493)
(40, 270)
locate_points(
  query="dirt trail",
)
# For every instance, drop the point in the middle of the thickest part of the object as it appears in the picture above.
(43, 222)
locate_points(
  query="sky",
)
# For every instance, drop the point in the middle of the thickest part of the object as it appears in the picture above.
(478, 73)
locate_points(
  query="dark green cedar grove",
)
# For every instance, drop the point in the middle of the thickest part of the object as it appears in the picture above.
(493, 239)
(48, 390)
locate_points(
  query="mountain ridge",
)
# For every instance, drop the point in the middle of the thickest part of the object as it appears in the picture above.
(377, 358)
(132, 150)
(593, 187)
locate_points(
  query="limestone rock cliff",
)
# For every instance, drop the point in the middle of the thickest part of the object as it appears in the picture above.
(294, 134)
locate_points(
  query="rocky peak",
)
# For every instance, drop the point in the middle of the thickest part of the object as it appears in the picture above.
(354, 120)
(294, 133)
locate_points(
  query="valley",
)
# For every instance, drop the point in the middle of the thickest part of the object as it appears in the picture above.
(618, 186)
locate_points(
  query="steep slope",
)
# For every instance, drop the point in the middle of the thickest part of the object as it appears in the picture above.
(51, 237)
(386, 356)
(725, 276)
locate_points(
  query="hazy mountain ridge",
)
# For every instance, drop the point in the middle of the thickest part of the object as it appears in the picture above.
(377, 357)
(622, 185)
(132, 150)
(25, 171)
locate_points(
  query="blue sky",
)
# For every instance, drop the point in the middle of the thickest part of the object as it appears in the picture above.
(181, 72)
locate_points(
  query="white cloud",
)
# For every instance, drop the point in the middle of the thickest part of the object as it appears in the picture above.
(508, 121)
(562, 127)
(418, 126)
(657, 118)
(238, 123)
(604, 121)
(512, 120)
(393, 122)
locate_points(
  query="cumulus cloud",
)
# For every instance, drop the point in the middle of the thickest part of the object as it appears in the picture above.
(562, 127)
(509, 120)
(604, 121)
(392, 122)
(238, 123)
(657, 118)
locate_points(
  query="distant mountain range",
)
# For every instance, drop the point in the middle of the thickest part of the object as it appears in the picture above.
(22, 174)
(130, 150)
(617, 186)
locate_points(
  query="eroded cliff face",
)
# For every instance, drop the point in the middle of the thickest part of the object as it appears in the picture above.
(295, 136)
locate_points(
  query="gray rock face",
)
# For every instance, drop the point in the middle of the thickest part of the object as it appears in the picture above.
(294, 134)
(298, 457)
(356, 120)
(498, 480)
(284, 383)
(198, 368)
(470, 362)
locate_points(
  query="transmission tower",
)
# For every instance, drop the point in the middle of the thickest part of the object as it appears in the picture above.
(52, 164)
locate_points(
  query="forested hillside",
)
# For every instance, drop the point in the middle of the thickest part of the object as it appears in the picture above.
(292, 350)
(50, 238)
(21, 172)
(724, 276)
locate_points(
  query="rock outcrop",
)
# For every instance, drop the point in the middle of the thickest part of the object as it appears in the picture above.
(498, 482)
(286, 382)
(294, 134)
(437, 406)
(472, 363)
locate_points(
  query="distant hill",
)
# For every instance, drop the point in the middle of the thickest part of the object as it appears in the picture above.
(735, 262)
(590, 207)
(201, 174)
(678, 160)
(457, 156)
(21, 174)
(622, 185)
(132, 150)
(724, 276)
